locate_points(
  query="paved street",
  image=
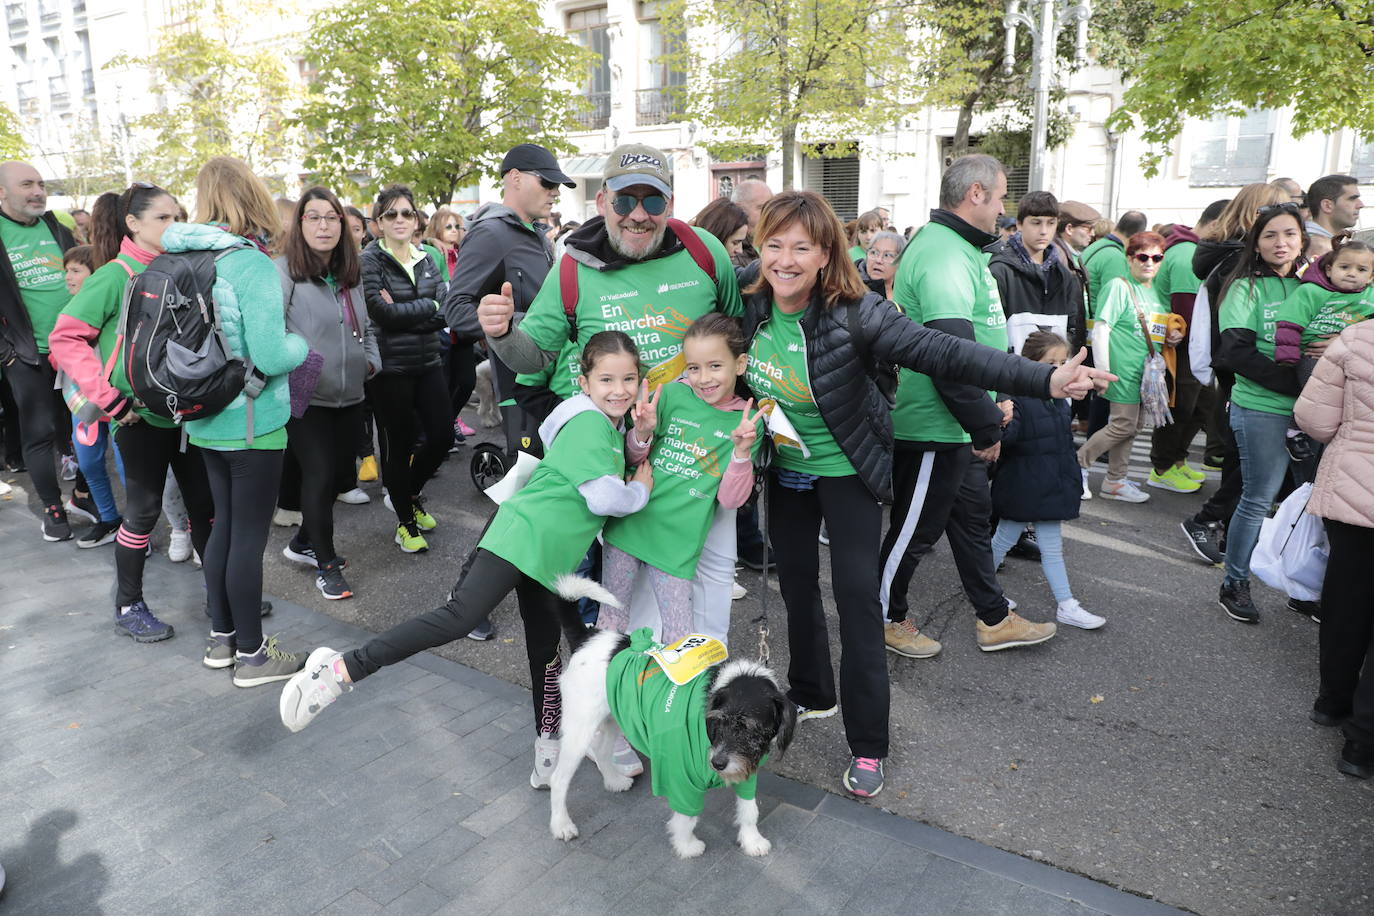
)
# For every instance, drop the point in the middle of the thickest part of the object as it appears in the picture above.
(1168, 754)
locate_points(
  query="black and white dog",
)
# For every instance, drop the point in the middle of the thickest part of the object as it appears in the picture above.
(745, 714)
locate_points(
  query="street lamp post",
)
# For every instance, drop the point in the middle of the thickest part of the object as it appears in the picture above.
(1049, 20)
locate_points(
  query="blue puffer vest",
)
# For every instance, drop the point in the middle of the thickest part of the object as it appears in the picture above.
(1037, 476)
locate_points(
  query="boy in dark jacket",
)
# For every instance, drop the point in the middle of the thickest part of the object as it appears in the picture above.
(1038, 289)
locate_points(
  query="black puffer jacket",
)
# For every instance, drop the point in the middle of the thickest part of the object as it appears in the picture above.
(407, 327)
(854, 410)
(1027, 288)
(1037, 476)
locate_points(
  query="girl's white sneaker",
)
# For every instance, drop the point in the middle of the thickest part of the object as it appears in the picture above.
(1071, 614)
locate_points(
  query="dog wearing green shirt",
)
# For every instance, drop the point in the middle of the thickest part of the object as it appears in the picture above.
(714, 730)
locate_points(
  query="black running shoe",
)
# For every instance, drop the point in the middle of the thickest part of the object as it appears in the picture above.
(1203, 537)
(55, 526)
(329, 580)
(1309, 609)
(1026, 546)
(100, 534)
(1235, 600)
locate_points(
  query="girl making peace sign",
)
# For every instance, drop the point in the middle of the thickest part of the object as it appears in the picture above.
(700, 437)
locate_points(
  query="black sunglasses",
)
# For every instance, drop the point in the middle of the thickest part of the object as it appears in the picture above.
(1286, 207)
(1144, 258)
(390, 215)
(653, 204)
(544, 182)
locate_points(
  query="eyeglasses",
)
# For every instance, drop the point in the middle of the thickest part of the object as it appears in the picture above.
(331, 219)
(1286, 207)
(885, 256)
(544, 182)
(393, 215)
(448, 226)
(653, 204)
(1144, 258)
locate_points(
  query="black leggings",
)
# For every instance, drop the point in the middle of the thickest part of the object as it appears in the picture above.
(853, 520)
(38, 424)
(1347, 630)
(316, 442)
(461, 366)
(148, 451)
(484, 584)
(407, 405)
(244, 484)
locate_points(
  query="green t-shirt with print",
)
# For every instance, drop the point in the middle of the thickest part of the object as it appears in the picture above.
(544, 530)
(37, 261)
(653, 301)
(667, 723)
(1320, 311)
(942, 276)
(777, 369)
(690, 453)
(1253, 303)
(100, 304)
(1126, 347)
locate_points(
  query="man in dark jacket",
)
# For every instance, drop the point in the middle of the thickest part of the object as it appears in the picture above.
(33, 291)
(941, 426)
(1037, 288)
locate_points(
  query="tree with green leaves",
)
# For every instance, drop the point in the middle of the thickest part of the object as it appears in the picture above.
(12, 145)
(226, 97)
(432, 93)
(763, 74)
(1214, 57)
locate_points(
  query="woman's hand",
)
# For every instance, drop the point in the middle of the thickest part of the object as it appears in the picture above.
(1074, 380)
(744, 435)
(386, 297)
(1008, 411)
(129, 419)
(644, 474)
(645, 412)
(1317, 347)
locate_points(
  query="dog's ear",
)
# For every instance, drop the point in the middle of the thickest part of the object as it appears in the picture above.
(786, 714)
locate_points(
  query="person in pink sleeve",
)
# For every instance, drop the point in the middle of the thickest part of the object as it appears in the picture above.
(699, 436)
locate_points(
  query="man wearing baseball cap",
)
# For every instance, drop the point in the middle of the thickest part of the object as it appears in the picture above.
(506, 245)
(632, 273)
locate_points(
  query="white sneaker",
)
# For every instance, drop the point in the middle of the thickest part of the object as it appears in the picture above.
(1087, 489)
(737, 591)
(386, 501)
(179, 547)
(6, 491)
(354, 497)
(545, 760)
(824, 536)
(1071, 613)
(311, 689)
(1124, 490)
(286, 518)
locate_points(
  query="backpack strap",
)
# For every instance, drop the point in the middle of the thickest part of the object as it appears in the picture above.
(695, 247)
(567, 289)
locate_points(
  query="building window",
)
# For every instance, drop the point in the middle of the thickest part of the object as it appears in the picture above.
(1233, 151)
(837, 180)
(1362, 164)
(659, 98)
(1018, 170)
(588, 29)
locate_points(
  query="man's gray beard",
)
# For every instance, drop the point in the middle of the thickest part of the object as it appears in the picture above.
(619, 248)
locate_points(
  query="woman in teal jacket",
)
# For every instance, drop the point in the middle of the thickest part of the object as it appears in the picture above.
(244, 443)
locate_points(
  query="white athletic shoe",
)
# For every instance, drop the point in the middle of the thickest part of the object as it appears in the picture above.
(1071, 613)
(286, 518)
(354, 497)
(545, 760)
(737, 591)
(179, 547)
(1123, 490)
(1087, 488)
(311, 689)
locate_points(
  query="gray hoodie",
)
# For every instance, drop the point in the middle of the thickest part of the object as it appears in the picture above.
(337, 327)
(498, 248)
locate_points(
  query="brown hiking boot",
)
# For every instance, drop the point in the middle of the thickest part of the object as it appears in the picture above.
(903, 638)
(1014, 631)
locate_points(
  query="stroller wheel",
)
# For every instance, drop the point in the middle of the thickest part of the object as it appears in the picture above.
(488, 465)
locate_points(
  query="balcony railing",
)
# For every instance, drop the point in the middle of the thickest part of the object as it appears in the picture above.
(658, 106)
(598, 114)
(17, 18)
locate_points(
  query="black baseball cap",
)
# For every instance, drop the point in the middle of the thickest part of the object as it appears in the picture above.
(531, 157)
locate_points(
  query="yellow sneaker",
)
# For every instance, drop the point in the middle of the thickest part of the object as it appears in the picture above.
(1172, 480)
(410, 539)
(1192, 473)
(368, 471)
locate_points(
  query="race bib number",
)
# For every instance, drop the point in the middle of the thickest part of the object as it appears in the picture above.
(666, 372)
(780, 428)
(684, 660)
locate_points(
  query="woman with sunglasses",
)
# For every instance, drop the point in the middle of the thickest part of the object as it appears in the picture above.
(1120, 346)
(403, 290)
(1264, 391)
(322, 286)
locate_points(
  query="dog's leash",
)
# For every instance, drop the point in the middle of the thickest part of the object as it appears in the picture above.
(762, 619)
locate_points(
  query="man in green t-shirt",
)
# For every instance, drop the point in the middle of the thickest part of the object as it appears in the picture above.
(1105, 259)
(33, 291)
(940, 427)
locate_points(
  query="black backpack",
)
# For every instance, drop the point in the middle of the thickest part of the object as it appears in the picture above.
(176, 359)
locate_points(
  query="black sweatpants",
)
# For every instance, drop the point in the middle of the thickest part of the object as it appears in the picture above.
(485, 583)
(316, 441)
(1347, 629)
(148, 451)
(853, 520)
(39, 424)
(405, 406)
(940, 492)
(1192, 407)
(244, 484)
(1221, 505)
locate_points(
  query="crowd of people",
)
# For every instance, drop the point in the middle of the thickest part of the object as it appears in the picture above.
(746, 387)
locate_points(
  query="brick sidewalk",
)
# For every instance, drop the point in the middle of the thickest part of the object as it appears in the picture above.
(137, 781)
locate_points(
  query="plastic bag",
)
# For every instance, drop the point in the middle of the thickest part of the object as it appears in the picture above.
(1292, 550)
(1154, 393)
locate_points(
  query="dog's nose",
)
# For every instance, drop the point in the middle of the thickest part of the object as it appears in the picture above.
(719, 762)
